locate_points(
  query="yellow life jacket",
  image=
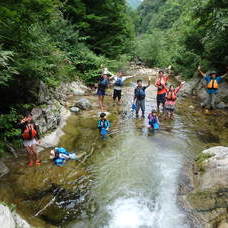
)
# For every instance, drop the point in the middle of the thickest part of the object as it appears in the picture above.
(213, 84)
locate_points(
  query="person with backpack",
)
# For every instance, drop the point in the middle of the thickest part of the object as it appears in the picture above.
(161, 83)
(118, 84)
(102, 86)
(103, 125)
(212, 85)
(139, 97)
(153, 120)
(171, 97)
(30, 137)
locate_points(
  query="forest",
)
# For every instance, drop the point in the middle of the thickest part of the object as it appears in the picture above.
(56, 41)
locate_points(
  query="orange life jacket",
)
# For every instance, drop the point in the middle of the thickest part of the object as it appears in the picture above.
(213, 84)
(29, 132)
(171, 96)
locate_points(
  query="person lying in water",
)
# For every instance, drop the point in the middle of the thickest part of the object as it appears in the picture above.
(171, 98)
(103, 124)
(153, 120)
(60, 155)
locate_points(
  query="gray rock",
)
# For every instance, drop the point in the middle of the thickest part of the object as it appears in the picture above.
(10, 219)
(3, 169)
(216, 168)
(221, 105)
(78, 92)
(75, 109)
(83, 104)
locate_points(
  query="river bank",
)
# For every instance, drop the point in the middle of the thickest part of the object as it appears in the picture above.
(92, 190)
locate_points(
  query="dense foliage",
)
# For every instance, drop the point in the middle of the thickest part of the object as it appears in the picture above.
(55, 41)
(184, 34)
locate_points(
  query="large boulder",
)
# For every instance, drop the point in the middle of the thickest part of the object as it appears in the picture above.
(47, 117)
(10, 219)
(209, 200)
(83, 104)
(215, 168)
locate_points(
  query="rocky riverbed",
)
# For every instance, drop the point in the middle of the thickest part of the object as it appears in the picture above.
(49, 196)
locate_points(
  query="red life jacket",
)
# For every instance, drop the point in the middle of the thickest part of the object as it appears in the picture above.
(29, 132)
(171, 96)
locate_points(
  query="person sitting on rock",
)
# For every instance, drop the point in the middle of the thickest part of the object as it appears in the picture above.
(103, 125)
(171, 97)
(139, 97)
(60, 155)
(212, 85)
(30, 137)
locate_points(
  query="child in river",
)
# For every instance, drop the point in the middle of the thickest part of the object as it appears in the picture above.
(171, 97)
(103, 125)
(153, 120)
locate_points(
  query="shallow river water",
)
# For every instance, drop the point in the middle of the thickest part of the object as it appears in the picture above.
(137, 173)
(129, 180)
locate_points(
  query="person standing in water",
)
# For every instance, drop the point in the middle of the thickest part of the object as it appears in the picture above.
(212, 85)
(118, 84)
(139, 97)
(103, 125)
(171, 97)
(30, 136)
(160, 83)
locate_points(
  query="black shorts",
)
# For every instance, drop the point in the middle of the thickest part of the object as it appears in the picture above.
(117, 94)
(161, 98)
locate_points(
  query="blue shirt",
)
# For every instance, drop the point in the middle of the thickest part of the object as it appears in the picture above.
(208, 79)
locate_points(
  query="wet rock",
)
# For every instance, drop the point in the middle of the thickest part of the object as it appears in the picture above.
(3, 169)
(221, 105)
(83, 104)
(209, 200)
(216, 168)
(75, 109)
(208, 137)
(9, 219)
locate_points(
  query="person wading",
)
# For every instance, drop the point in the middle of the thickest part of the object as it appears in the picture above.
(212, 85)
(160, 83)
(30, 136)
(171, 98)
(118, 84)
(139, 98)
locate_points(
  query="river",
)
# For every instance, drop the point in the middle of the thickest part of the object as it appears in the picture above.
(137, 173)
(130, 180)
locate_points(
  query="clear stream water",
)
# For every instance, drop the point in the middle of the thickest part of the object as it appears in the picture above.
(137, 174)
(130, 180)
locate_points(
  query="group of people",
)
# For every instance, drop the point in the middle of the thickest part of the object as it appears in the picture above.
(166, 97)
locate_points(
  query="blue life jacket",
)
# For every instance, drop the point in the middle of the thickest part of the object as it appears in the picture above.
(103, 124)
(140, 93)
(59, 161)
(153, 120)
(61, 150)
(103, 83)
(119, 82)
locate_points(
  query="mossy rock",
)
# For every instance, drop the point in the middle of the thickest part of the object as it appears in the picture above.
(202, 201)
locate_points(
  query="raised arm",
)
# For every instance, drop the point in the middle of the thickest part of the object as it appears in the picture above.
(202, 73)
(179, 87)
(223, 76)
(148, 82)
